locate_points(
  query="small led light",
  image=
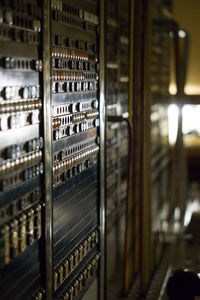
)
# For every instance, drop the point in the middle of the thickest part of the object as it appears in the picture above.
(182, 34)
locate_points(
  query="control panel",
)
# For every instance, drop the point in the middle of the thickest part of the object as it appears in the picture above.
(75, 145)
(21, 149)
(70, 205)
(117, 103)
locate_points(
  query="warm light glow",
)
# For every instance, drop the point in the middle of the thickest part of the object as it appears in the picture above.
(192, 90)
(190, 123)
(182, 34)
(172, 89)
(173, 113)
(191, 208)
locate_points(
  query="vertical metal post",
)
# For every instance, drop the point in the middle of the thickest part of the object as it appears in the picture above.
(102, 291)
(47, 147)
(146, 150)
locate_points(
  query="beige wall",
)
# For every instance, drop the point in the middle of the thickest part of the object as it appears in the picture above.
(187, 14)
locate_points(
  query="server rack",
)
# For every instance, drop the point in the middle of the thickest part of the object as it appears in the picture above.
(52, 202)
(117, 16)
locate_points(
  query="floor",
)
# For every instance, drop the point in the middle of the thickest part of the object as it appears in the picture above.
(182, 251)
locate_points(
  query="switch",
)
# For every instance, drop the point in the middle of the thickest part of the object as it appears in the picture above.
(80, 168)
(76, 128)
(56, 134)
(82, 126)
(59, 87)
(76, 288)
(96, 237)
(3, 122)
(58, 278)
(95, 104)
(10, 152)
(93, 239)
(38, 65)
(55, 279)
(80, 252)
(38, 222)
(7, 93)
(89, 162)
(36, 25)
(34, 117)
(74, 170)
(97, 261)
(85, 66)
(9, 17)
(69, 131)
(89, 271)
(61, 155)
(66, 296)
(14, 238)
(71, 64)
(69, 173)
(22, 233)
(72, 107)
(71, 290)
(6, 235)
(76, 254)
(66, 268)
(79, 65)
(84, 277)
(71, 262)
(33, 92)
(30, 226)
(89, 240)
(96, 123)
(80, 282)
(41, 143)
(79, 106)
(85, 248)
(61, 273)
(71, 86)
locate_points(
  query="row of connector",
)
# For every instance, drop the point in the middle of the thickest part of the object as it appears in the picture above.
(14, 179)
(17, 92)
(70, 262)
(73, 171)
(74, 64)
(75, 148)
(16, 63)
(31, 9)
(78, 13)
(22, 162)
(75, 118)
(69, 130)
(19, 205)
(81, 280)
(75, 107)
(69, 53)
(20, 233)
(72, 161)
(19, 120)
(19, 35)
(17, 150)
(74, 76)
(71, 86)
(19, 106)
(39, 294)
(67, 75)
(9, 18)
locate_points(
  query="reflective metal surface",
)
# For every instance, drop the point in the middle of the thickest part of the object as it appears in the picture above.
(48, 148)
(102, 154)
